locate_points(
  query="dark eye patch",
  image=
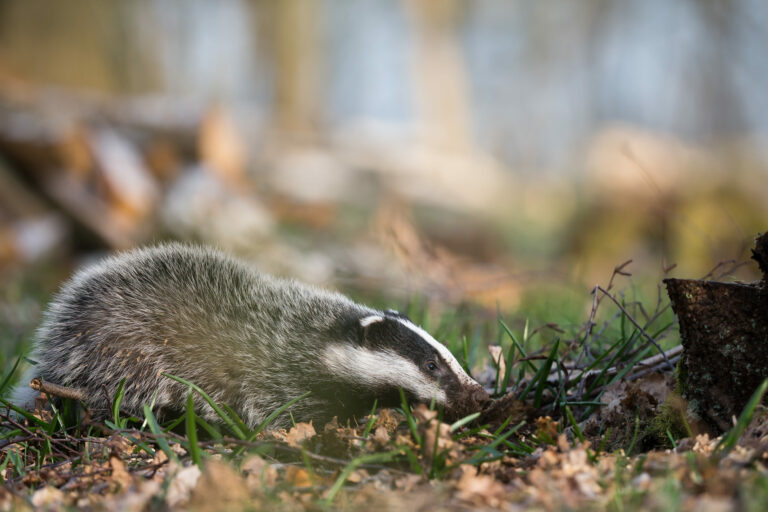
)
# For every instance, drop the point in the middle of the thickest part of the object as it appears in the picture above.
(391, 334)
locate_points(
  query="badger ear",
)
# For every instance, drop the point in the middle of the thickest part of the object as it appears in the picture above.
(396, 314)
(370, 319)
(371, 330)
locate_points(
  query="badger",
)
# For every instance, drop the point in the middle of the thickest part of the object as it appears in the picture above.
(250, 340)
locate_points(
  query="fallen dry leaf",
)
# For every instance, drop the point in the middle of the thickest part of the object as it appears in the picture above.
(408, 482)
(47, 497)
(546, 426)
(135, 500)
(300, 433)
(380, 435)
(298, 477)
(388, 419)
(331, 425)
(181, 486)
(221, 488)
(260, 475)
(357, 476)
(159, 457)
(705, 445)
(423, 414)
(436, 434)
(120, 446)
(119, 474)
(497, 355)
(479, 489)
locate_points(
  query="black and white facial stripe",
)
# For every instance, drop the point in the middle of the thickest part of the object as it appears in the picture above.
(395, 353)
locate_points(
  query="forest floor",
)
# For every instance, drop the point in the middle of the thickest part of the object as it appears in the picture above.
(590, 418)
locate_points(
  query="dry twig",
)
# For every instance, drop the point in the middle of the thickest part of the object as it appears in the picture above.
(56, 390)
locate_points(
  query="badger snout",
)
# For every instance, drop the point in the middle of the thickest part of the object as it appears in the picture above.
(481, 397)
(476, 399)
(470, 400)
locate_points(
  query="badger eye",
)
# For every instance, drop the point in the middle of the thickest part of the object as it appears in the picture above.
(431, 366)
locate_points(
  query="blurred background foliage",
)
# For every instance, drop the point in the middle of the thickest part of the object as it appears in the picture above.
(507, 154)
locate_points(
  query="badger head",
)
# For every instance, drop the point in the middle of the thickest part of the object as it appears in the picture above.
(391, 353)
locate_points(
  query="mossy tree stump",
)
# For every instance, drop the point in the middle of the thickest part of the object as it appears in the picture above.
(724, 330)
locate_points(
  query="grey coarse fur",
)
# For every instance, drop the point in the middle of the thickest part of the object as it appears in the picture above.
(250, 340)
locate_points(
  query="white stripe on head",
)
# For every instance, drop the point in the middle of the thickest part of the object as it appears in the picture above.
(453, 364)
(372, 319)
(376, 368)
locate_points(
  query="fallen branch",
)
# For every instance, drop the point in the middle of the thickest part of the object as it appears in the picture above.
(56, 390)
(656, 368)
(647, 365)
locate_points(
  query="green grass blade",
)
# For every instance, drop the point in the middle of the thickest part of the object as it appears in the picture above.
(491, 448)
(160, 439)
(371, 420)
(596, 362)
(508, 369)
(523, 353)
(465, 351)
(620, 375)
(138, 442)
(236, 418)
(574, 424)
(11, 433)
(496, 362)
(463, 421)
(56, 419)
(639, 357)
(672, 440)
(544, 373)
(413, 459)
(599, 379)
(655, 335)
(219, 411)
(8, 377)
(502, 426)
(2, 469)
(151, 406)
(353, 465)
(634, 435)
(211, 429)
(191, 427)
(623, 321)
(729, 440)
(28, 415)
(116, 404)
(173, 423)
(409, 418)
(269, 419)
(478, 430)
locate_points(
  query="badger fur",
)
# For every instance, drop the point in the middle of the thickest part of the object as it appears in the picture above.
(249, 340)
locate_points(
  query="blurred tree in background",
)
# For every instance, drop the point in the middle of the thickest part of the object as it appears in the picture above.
(456, 149)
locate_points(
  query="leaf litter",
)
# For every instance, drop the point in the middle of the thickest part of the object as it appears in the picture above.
(589, 423)
(298, 469)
